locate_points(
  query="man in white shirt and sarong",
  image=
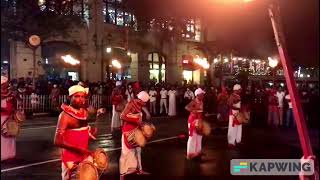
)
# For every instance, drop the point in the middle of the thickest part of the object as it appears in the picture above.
(163, 100)
(234, 128)
(172, 102)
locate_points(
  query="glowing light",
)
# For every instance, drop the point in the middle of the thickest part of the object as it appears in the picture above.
(70, 60)
(5, 62)
(128, 53)
(301, 75)
(272, 62)
(215, 60)
(185, 61)
(234, 58)
(202, 62)
(308, 75)
(225, 60)
(240, 59)
(116, 63)
(282, 84)
(109, 49)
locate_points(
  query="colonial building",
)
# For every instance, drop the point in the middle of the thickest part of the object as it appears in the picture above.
(110, 45)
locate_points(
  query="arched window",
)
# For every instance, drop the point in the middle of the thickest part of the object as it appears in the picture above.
(157, 67)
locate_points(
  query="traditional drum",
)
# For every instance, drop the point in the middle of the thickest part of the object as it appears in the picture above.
(100, 159)
(87, 171)
(206, 128)
(198, 124)
(136, 138)
(10, 128)
(148, 129)
(19, 116)
(243, 117)
(202, 127)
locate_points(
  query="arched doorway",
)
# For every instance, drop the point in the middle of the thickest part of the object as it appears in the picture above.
(157, 67)
(117, 63)
(54, 66)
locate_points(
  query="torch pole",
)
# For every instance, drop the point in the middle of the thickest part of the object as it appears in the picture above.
(274, 13)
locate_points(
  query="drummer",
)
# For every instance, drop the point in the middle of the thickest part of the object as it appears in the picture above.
(73, 132)
(195, 107)
(130, 159)
(235, 127)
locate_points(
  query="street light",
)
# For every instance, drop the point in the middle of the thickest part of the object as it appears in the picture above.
(108, 49)
(273, 63)
(34, 42)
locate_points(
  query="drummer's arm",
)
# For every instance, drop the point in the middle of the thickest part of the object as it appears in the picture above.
(60, 134)
(148, 116)
(191, 106)
(125, 116)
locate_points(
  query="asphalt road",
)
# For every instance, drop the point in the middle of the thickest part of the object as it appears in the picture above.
(163, 156)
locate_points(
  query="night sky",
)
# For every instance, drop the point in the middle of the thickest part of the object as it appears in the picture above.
(247, 28)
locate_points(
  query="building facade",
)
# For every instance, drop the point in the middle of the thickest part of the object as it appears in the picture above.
(110, 36)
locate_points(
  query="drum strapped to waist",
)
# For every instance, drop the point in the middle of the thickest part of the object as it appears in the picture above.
(148, 129)
(202, 127)
(100, 159)
(135, 138)
(10, 127)
(86, 170)
(243, 117)
(19, 116)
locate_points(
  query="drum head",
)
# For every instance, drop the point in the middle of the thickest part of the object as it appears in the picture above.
(20, 116)
(87, 171)
(199, 125)
(13, 128)
(206, 128)
(139, 138)
(148, 130)
(101, 159)
(240, 117)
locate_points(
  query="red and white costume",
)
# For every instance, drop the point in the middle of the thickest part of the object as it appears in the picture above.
(116, 99)
(8, 144)
(130, 159)
(78, 137)
(234, 128)
(194, 144)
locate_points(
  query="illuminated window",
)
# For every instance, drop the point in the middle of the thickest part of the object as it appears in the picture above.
(157, 66)
(114, 13)
(192, 30)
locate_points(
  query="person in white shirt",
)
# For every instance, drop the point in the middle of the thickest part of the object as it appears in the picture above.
(188, 95)
(129, 93)
(172, 102)
(289, 114)
(163, 100)
(280, 95)
(153, 100)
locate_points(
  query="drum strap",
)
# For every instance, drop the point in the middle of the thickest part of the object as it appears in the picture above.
(126, 135)
(3, 127)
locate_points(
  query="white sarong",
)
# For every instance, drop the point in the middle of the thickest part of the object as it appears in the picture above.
(130, 159)
(8, 144)
(194, 144)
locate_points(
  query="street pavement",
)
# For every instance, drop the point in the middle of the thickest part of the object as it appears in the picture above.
(163, 156)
